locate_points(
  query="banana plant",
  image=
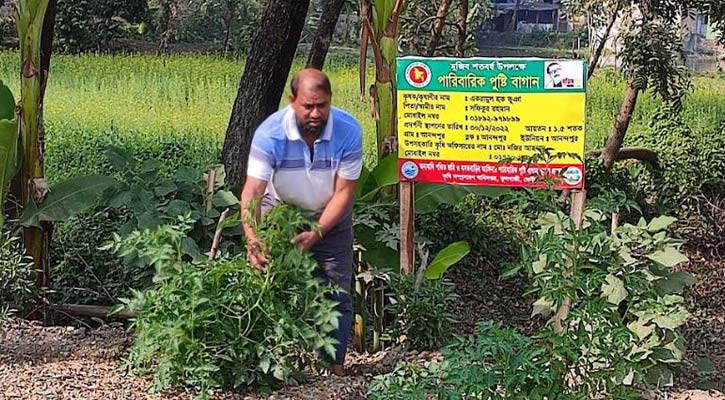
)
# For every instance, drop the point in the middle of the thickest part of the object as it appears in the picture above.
(10, 156)
(380, 30)
(34, 20)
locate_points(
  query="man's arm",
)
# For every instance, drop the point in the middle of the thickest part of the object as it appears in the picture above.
(335, 210)
(252, 195)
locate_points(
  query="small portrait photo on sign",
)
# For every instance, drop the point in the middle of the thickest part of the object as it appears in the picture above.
(564, 74)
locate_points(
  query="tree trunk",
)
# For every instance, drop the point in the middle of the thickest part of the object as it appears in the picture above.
(616, 137)
(35, 29)
(325, 31)
(263, 81)
(167, 25)
(462, 24)
(515, 14)
(600, 47)
(438, 23)
(228, 22)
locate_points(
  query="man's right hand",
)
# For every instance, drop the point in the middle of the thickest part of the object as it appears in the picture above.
(251, 194)
(256, 254)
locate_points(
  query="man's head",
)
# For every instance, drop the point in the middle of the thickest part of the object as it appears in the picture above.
(310, 100)
(554, 71)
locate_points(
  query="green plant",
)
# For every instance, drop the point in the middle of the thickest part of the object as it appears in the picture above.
(615, 312)
(17, 287)
(617, 304)
(84, 275)
(619, 190)
(690, 162)
(419, 300)
(153, 199)
(83, 25)
(493, 363)
(416, 303)
(225, 324)
(420, 313)
(9, 145)
(142, 197)
(408, 381)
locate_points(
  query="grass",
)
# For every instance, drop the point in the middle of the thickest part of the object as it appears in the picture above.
(177, 107)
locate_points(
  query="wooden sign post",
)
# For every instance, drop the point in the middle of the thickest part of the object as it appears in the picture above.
(407, 227)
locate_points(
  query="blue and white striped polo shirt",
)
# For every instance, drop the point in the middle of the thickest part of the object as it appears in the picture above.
(280, 156)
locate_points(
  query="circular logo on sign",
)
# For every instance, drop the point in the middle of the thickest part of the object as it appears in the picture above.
(573, 176)
(418, 75)
(409, 169)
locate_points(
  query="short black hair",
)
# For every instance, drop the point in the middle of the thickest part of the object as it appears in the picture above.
(323, 84)
(551, 65)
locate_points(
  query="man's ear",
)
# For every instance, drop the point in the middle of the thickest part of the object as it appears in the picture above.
(291, 98)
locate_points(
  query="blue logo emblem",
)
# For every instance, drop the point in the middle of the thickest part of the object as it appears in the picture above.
(409, 169)
(573, 176)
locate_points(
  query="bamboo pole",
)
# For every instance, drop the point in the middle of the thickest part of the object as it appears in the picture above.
(210, 181)
(80, 310)
(217, 235)
(359, 303)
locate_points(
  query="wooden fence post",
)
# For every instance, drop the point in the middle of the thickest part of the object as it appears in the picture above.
(407, 227)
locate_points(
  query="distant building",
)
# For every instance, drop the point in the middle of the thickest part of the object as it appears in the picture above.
(699, 33)
(531, 15)
(698, 41)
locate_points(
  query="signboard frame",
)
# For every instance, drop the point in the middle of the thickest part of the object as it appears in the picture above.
(488, 72)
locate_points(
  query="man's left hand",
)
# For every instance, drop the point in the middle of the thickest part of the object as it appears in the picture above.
(306, 240)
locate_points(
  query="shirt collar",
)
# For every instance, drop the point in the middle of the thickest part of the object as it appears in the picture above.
(293, 132)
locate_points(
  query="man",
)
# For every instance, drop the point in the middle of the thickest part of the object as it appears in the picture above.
(309, 154)
(554, 73)
(555, 78)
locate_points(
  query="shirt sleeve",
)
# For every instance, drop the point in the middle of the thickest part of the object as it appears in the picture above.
(261, 157)
(351, 161)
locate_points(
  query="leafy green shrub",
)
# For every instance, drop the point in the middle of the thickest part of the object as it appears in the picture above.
(16, 275)
(494, 363)
(153, 199)
(477, 219)
(420, 314)
(625, 305)
(690, 162)
(143, 198)
(75, 151)
(82, 274)
(225, 324)
(408, 381)
(618, 190)
(89, 25)
(617, 311)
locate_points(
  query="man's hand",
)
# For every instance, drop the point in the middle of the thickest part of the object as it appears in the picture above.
(256, 254)
(306, 240)
(251, 195)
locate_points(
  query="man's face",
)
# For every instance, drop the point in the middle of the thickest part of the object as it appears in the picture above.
(312, 109)
(555, 73)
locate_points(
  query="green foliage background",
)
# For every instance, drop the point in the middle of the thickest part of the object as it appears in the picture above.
(174, 109)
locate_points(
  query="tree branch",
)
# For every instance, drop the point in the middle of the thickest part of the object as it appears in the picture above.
(631, 153)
